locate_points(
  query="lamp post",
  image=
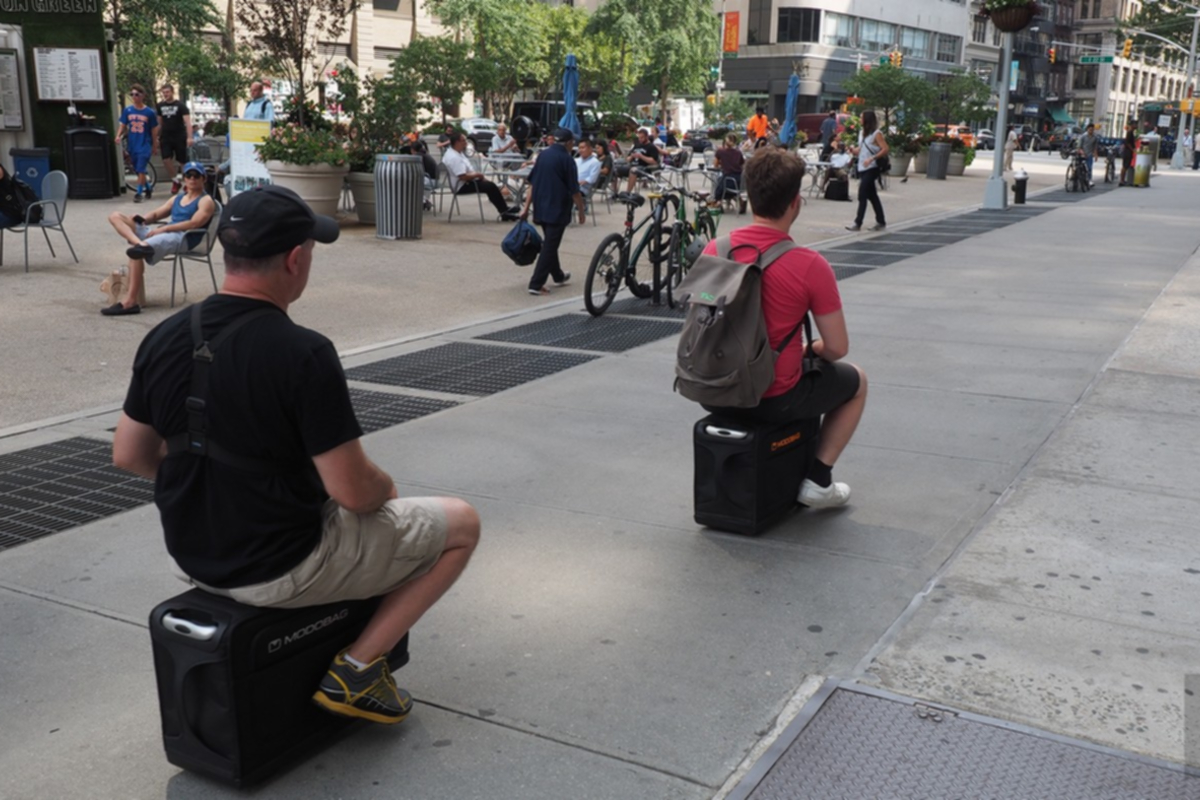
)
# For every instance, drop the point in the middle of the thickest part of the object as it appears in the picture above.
(995, 194)
(1177, 157)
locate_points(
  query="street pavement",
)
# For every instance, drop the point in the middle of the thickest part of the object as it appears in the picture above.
(1020, 543)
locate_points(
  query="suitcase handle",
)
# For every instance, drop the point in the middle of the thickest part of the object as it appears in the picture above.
(186, 627)
(724, 433)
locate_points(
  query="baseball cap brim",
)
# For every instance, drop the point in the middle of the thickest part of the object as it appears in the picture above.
(325, 229)
(193, 166)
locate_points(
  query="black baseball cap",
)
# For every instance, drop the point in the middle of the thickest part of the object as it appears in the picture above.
(563, 135)
(268, 220)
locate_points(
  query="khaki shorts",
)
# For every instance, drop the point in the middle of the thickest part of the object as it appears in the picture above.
(358, 556)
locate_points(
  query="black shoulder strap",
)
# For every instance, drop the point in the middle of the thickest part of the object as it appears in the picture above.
(195, 440)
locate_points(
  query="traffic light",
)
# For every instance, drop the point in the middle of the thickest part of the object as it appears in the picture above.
(896, 58)
(1127, 49)
(1053, 55)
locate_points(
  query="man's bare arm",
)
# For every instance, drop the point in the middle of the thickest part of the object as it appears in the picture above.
(138, 448)
(835, 341)
(353, 481)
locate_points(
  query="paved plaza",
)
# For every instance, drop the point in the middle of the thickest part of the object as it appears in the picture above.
(1019, 554)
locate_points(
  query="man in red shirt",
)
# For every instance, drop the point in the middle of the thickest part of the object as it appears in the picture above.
(796, 283)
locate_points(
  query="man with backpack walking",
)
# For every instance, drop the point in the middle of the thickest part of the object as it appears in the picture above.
(787, 284)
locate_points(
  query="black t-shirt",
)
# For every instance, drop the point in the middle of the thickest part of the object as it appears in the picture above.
(172, 115)
(647, 149)
(277, 392)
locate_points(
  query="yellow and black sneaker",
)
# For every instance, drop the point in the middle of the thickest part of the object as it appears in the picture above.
(370, 694)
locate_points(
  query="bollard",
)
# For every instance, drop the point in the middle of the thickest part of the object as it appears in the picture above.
(399, 189)
(1020, 181)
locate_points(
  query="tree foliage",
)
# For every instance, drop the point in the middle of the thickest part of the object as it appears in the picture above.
(961, 97)
(1164, 18)
(383, 110)
(729, 107)
(434, 66)
(902, 100)
(288, 31)
(153, 38)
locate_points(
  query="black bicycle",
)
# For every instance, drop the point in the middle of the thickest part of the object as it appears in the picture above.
(616, 260)
(1078, 179)
(688, 239)
(1111, 154)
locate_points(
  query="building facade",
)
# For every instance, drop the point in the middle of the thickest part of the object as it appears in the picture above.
(827, 41)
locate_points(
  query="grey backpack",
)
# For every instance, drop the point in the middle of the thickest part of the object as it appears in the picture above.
(724, 356)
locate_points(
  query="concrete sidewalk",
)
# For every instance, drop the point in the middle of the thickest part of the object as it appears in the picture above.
(1020, 542)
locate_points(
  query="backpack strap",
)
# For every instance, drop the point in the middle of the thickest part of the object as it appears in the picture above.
(773, 254)
(195, 439)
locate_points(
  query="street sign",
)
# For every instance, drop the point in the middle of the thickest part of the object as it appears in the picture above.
(1095, 59)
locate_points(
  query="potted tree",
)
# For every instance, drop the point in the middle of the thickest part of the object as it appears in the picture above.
(384, 111)
(903, 147)
(310, 160)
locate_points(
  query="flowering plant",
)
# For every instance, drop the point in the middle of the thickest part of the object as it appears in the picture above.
(995, 5)
(293, 144)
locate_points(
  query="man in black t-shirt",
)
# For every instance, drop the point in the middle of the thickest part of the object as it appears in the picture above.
(643, 155)
(281, 507)
(174, 133)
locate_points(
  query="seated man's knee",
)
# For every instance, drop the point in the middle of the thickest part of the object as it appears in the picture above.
(462, 523)
(862, 382)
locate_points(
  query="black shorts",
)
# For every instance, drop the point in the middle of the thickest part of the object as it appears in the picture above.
(816, 393)
(176, 148)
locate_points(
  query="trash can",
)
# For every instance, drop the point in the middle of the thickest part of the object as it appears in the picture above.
(399, 189)
(1142, 164)
(939, 160)
(1020, 184)
(1151, 143)
(89, 154)
(31, 164)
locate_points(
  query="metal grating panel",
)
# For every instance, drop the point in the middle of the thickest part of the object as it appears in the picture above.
(861, 259)
(379, 410)
(843, 272)
(859, 745)
(577, 331)
(467, 368)
(897, 248)
(61, 485)
(637, 307)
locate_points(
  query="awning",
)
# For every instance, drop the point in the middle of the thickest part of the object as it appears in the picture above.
(1060, 115)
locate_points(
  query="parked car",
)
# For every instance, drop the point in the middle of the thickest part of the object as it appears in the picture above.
(532, 119)
(1029, 139)
(698, 140)
(985, 139)
(480, 131)
(960, 132)
(1062, 136)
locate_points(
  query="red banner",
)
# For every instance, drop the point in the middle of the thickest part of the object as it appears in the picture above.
(730, 44)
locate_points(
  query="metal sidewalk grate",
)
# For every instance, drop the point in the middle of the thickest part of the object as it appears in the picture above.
(379, 410)
(861, 745)
(582, 332)
(851, 258)
(468, 368)
(62, 485)
(637, 307)
(842, 272)
(896, 248)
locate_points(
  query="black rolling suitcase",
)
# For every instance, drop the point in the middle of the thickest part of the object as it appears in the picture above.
(235, 682)
(748, 474)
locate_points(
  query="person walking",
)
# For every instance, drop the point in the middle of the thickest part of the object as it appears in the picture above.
(138, 124)
(553, 187)
(871, 147)
(1128, 149)
(174, 134)
(1087, 145)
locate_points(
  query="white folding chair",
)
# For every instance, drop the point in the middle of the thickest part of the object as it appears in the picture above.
(201, 253)
(54, 211)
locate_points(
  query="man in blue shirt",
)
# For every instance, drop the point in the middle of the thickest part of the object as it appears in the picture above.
(554, 185)
(259, 106)
(588, 167)
(138, 122)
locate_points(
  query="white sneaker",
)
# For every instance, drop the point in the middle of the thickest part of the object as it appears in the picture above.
(831, 496)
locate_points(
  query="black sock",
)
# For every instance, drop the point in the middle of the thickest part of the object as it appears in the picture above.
(820, 473)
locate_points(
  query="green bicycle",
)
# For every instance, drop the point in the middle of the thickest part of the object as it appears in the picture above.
(688, 239)
(616, 260)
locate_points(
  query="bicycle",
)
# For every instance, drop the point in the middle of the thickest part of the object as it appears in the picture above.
(1110, 165)
(131, 178)
(616, 259)
(688, 238)
(1078, 179)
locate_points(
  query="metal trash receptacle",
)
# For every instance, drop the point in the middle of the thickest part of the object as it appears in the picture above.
(1152, 143)
(89, 154)
(399, 190)
(31, 164)
(939, 161)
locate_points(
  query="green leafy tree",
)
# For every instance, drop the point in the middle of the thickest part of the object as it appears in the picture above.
(1164, 18)
(902, 100)
(615, 27)
(434, 66)
(147, 33)
(961, 97)
(288, 32)
(729, 107)
(383, 110)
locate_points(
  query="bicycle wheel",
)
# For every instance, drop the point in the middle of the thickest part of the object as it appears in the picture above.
(604, 274)
(1110, 172)
(1070, 181)
(131, 178)
(675, 262)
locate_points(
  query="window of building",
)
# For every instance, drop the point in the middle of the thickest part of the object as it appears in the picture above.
(837, 30)
(1096, 9)
(799, 25)
(979, 30)
(758, 30)
(333, 49)
(947, 47)
(875, 35)
(1086, 76)
(1083, 6)
(394, 5)
(1125, 79)
(914, 42)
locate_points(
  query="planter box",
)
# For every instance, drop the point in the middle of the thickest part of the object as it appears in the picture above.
(921, 162)
(319, 185)
(899, 165)
(957, 164)
(362, 187)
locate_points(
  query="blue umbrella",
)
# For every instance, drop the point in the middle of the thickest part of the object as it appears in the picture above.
(788, 132)
(571, 96)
